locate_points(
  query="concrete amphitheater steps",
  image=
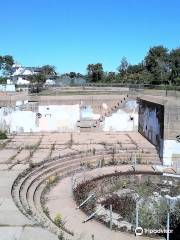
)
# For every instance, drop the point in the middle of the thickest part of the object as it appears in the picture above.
(33, 202)
(25, 200)
(27, 190)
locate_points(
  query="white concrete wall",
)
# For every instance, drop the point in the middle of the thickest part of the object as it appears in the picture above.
(7, 88)
(171, 147)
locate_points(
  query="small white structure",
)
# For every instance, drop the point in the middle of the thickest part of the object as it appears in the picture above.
(50, 82)
(9, 81)
(7, 88)
(171, 148)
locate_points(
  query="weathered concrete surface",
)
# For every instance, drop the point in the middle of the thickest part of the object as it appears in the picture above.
(7, 154)
(24, 148)
(25, 233)
(13, 224)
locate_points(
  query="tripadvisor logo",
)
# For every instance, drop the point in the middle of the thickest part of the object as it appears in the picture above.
(178, 138)
(138, 231)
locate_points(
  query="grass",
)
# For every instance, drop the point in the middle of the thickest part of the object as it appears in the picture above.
(145, 189)
(33, 148)
(69, 93)
(46, 211)
(52, 179)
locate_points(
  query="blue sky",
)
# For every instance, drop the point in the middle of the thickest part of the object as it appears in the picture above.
(73, 33)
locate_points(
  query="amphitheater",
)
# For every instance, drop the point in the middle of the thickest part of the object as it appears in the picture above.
(33, 162)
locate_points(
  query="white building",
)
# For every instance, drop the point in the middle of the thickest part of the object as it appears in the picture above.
(20, 74)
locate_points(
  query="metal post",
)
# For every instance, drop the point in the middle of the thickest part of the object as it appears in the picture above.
(168, 216)
(135, 162)
(91, 216)
(137, 214)
(85, 201)
(168, 226)
(111, 217)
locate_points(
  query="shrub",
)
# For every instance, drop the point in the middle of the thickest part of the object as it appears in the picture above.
(52, 179)
(46, 211)
(3, 135)
(58, 220)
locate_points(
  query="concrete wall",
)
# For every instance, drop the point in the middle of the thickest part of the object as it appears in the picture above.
(171, 147)
(151, 123)
(171, 155)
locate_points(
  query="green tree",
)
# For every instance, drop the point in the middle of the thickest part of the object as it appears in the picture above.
(145, 77)
(174, 62)
(123, 68)
(6, 63)
(1, 62)
(39, 79)
(72, 74)
(48, 70)
(157, 64)
(3, 80)
(110, 76)
(95, 72)
(135, 73)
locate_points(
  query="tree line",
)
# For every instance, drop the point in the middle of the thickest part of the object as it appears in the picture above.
(160, 66)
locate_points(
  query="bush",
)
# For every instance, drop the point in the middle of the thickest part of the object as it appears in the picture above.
(3, 135)
(46, 211)
(58, 220)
